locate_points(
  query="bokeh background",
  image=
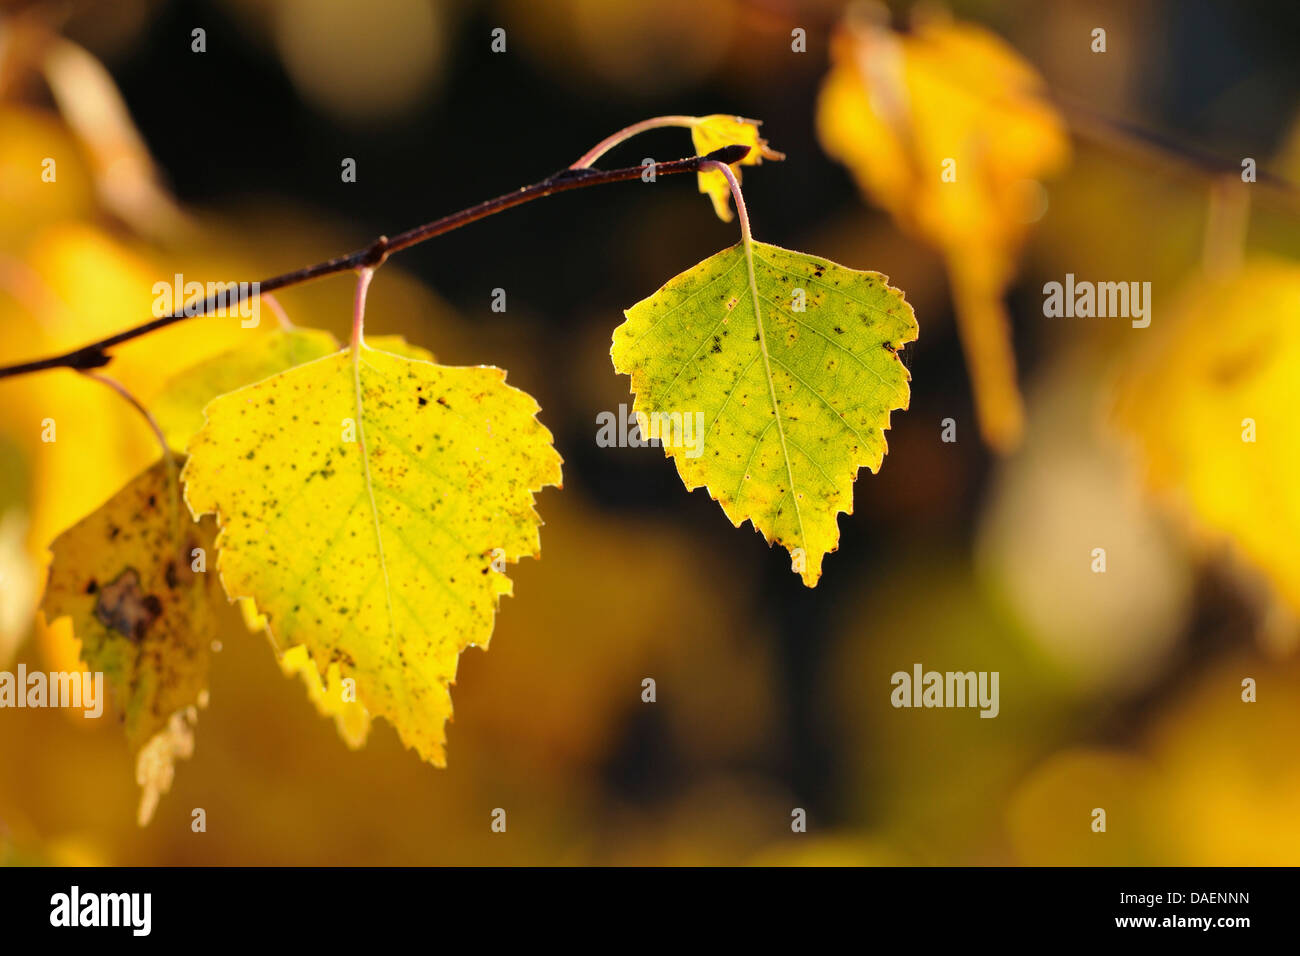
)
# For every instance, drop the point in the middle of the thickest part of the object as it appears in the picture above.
(1119, 690)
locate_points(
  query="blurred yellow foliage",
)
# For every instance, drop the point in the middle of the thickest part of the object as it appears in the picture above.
(1213, 400)
(948, 129)
(29, 138)
(1215, 783)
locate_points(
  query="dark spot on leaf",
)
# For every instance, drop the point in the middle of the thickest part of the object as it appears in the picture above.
(122, 608)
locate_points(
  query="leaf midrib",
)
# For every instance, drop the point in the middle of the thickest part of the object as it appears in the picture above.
(748, 244)
(370, 488)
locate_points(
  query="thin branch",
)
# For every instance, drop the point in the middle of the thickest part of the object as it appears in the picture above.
(95, 355)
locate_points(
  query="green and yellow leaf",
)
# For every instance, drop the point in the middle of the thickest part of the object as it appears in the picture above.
(367, 504)
(787, 381)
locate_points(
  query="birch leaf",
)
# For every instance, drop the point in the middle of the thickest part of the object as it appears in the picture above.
(367, 504)
(178, 409)
(782, 385)
(125, 576)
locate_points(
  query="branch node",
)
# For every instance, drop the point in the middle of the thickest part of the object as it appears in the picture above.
(376, 255)
(92, 356)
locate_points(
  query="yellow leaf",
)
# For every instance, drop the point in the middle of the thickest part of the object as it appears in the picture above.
(785, 378)
(125, 577)
(949, 130)
(367, 504)
(1213, 401)
(178, 410)
(714, 132)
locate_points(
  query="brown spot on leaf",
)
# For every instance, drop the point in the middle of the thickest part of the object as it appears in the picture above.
(124, 609)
